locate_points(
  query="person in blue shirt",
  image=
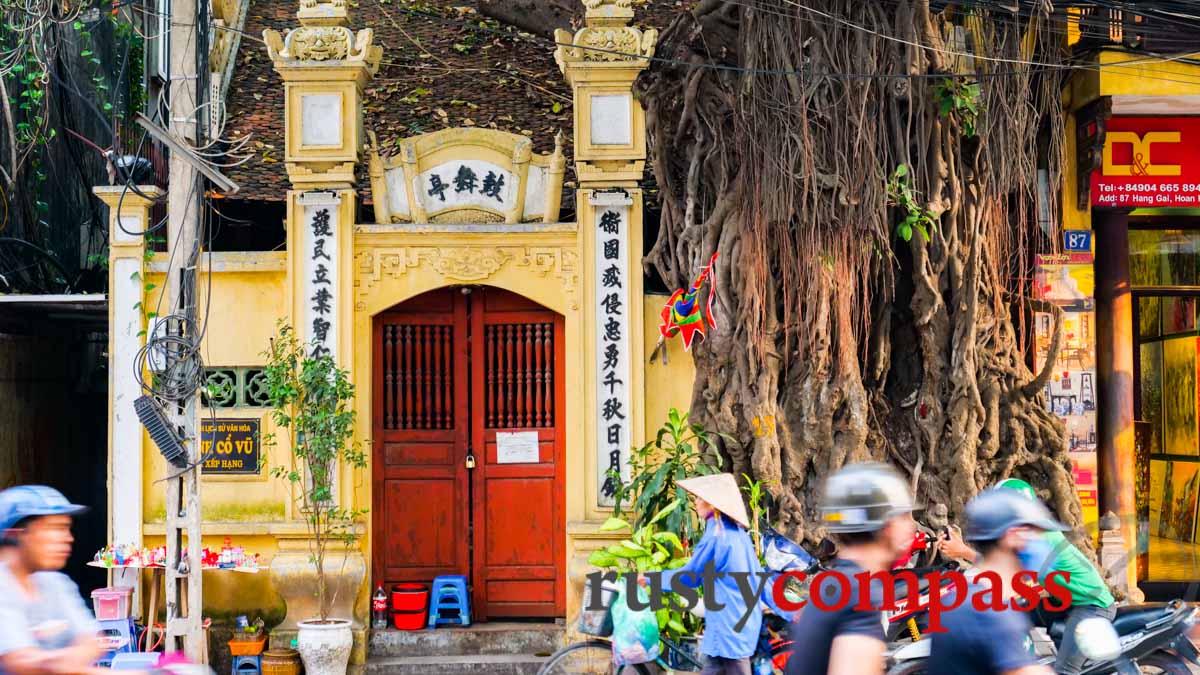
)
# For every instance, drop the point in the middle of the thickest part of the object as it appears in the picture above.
(731, 633)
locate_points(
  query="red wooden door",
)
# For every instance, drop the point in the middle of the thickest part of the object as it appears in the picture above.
(422, 429)
(495, 366)
(520, 540)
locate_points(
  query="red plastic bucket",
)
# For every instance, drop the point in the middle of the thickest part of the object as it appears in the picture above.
(410, 604)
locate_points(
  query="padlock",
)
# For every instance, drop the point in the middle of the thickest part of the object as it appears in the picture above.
(470, 461)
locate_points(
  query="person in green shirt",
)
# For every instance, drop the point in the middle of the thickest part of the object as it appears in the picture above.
(1090, 596)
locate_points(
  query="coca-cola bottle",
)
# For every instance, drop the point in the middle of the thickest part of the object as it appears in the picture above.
(379, 613)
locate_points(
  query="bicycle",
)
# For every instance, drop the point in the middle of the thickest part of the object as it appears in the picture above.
(594, 656)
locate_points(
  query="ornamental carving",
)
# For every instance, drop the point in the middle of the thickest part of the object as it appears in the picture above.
(319, 43)
(324, 43)
(604, 44)
(465, 264)
(315, 4)
(614, 44)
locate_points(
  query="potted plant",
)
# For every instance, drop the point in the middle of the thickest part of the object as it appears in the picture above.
(311, 399)
(661, 523)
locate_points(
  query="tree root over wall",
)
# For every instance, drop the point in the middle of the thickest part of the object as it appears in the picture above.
(776, 136)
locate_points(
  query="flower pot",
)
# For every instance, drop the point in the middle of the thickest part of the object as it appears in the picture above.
(324, 646)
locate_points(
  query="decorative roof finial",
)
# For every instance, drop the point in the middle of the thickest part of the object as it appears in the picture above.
(608, 12)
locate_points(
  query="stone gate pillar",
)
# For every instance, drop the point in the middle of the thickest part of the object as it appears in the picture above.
(128, 219)
(324, 66)
(601, 61)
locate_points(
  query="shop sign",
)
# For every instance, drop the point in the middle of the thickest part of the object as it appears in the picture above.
(320, 246)
(234, 445)
(1067, 280)
(1149, 162)
(612, 326)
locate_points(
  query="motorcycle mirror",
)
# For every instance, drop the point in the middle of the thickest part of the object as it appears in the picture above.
(826, 550)
(1097, 639)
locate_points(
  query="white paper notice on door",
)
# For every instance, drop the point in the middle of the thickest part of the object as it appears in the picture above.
(517, 448)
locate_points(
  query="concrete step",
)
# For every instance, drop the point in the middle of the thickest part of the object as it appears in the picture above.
(491, 664)
(479, 639)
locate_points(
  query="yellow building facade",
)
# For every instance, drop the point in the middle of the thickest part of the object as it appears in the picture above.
(1128, 217)
(467, 229)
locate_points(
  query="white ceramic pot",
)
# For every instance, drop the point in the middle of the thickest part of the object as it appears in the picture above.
(325, 646)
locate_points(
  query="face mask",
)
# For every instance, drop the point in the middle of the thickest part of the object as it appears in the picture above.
(1037, 555)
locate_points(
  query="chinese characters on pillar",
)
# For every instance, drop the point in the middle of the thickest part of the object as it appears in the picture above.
(614, 417)
(320, 264)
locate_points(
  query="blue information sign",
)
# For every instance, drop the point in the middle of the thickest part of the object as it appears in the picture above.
(1077, 241)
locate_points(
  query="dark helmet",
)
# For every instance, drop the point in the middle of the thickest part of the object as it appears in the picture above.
(993, 512)
(863, 498)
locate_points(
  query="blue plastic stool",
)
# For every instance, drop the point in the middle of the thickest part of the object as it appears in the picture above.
(135, 661)
(122, 630)
(449, 593)
(247, 665)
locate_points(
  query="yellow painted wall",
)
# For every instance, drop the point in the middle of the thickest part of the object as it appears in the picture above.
(666, 385)
(250, 292)
(240, 321)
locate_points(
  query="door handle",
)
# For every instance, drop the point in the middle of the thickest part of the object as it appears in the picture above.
(470, 461)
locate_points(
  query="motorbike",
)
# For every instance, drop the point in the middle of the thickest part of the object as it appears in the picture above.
(1152, 635)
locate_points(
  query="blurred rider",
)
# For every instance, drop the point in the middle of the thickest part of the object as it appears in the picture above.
(45, 627)
(868, 508)
(1090, 597)
(1004, 526)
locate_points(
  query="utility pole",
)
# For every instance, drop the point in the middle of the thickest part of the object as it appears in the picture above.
(184, 592)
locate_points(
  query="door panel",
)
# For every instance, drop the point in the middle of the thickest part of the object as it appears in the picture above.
(520, 542)
(452, 371)
(421, 427)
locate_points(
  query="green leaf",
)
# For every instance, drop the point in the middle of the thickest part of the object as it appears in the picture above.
(556, 108)
(670, 538)
(676, 627)
(602, 559)
(632, 545)
(622, 552)
(905, 232)
(613, 524)
(901, 171)
(662, 513)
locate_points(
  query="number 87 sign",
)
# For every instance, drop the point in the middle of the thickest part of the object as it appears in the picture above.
(1077, 241)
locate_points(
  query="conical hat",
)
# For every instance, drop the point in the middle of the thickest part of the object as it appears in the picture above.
(720, 490)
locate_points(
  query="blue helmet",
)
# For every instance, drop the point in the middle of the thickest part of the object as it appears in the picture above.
(27, 501)
(993, 512)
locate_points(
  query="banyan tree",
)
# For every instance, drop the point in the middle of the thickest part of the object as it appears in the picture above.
(869, 173)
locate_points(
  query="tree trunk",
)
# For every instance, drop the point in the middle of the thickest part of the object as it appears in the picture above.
(873, 202)
(539, 17)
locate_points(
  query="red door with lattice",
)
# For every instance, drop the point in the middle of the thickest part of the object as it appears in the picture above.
(468, 448)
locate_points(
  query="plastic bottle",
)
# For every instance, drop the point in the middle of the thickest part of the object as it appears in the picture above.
(379, 618)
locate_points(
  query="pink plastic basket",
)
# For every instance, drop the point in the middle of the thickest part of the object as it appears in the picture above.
(111, 603)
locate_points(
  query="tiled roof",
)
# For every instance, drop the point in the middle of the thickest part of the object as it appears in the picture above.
(437, 72)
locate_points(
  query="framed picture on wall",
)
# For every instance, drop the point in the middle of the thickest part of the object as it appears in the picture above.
(1179, 397)
(1149, 320)
(1151, 399)
(1178, 315)
(1173, 490)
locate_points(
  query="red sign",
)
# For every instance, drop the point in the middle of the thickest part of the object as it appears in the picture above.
(1149, 162)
